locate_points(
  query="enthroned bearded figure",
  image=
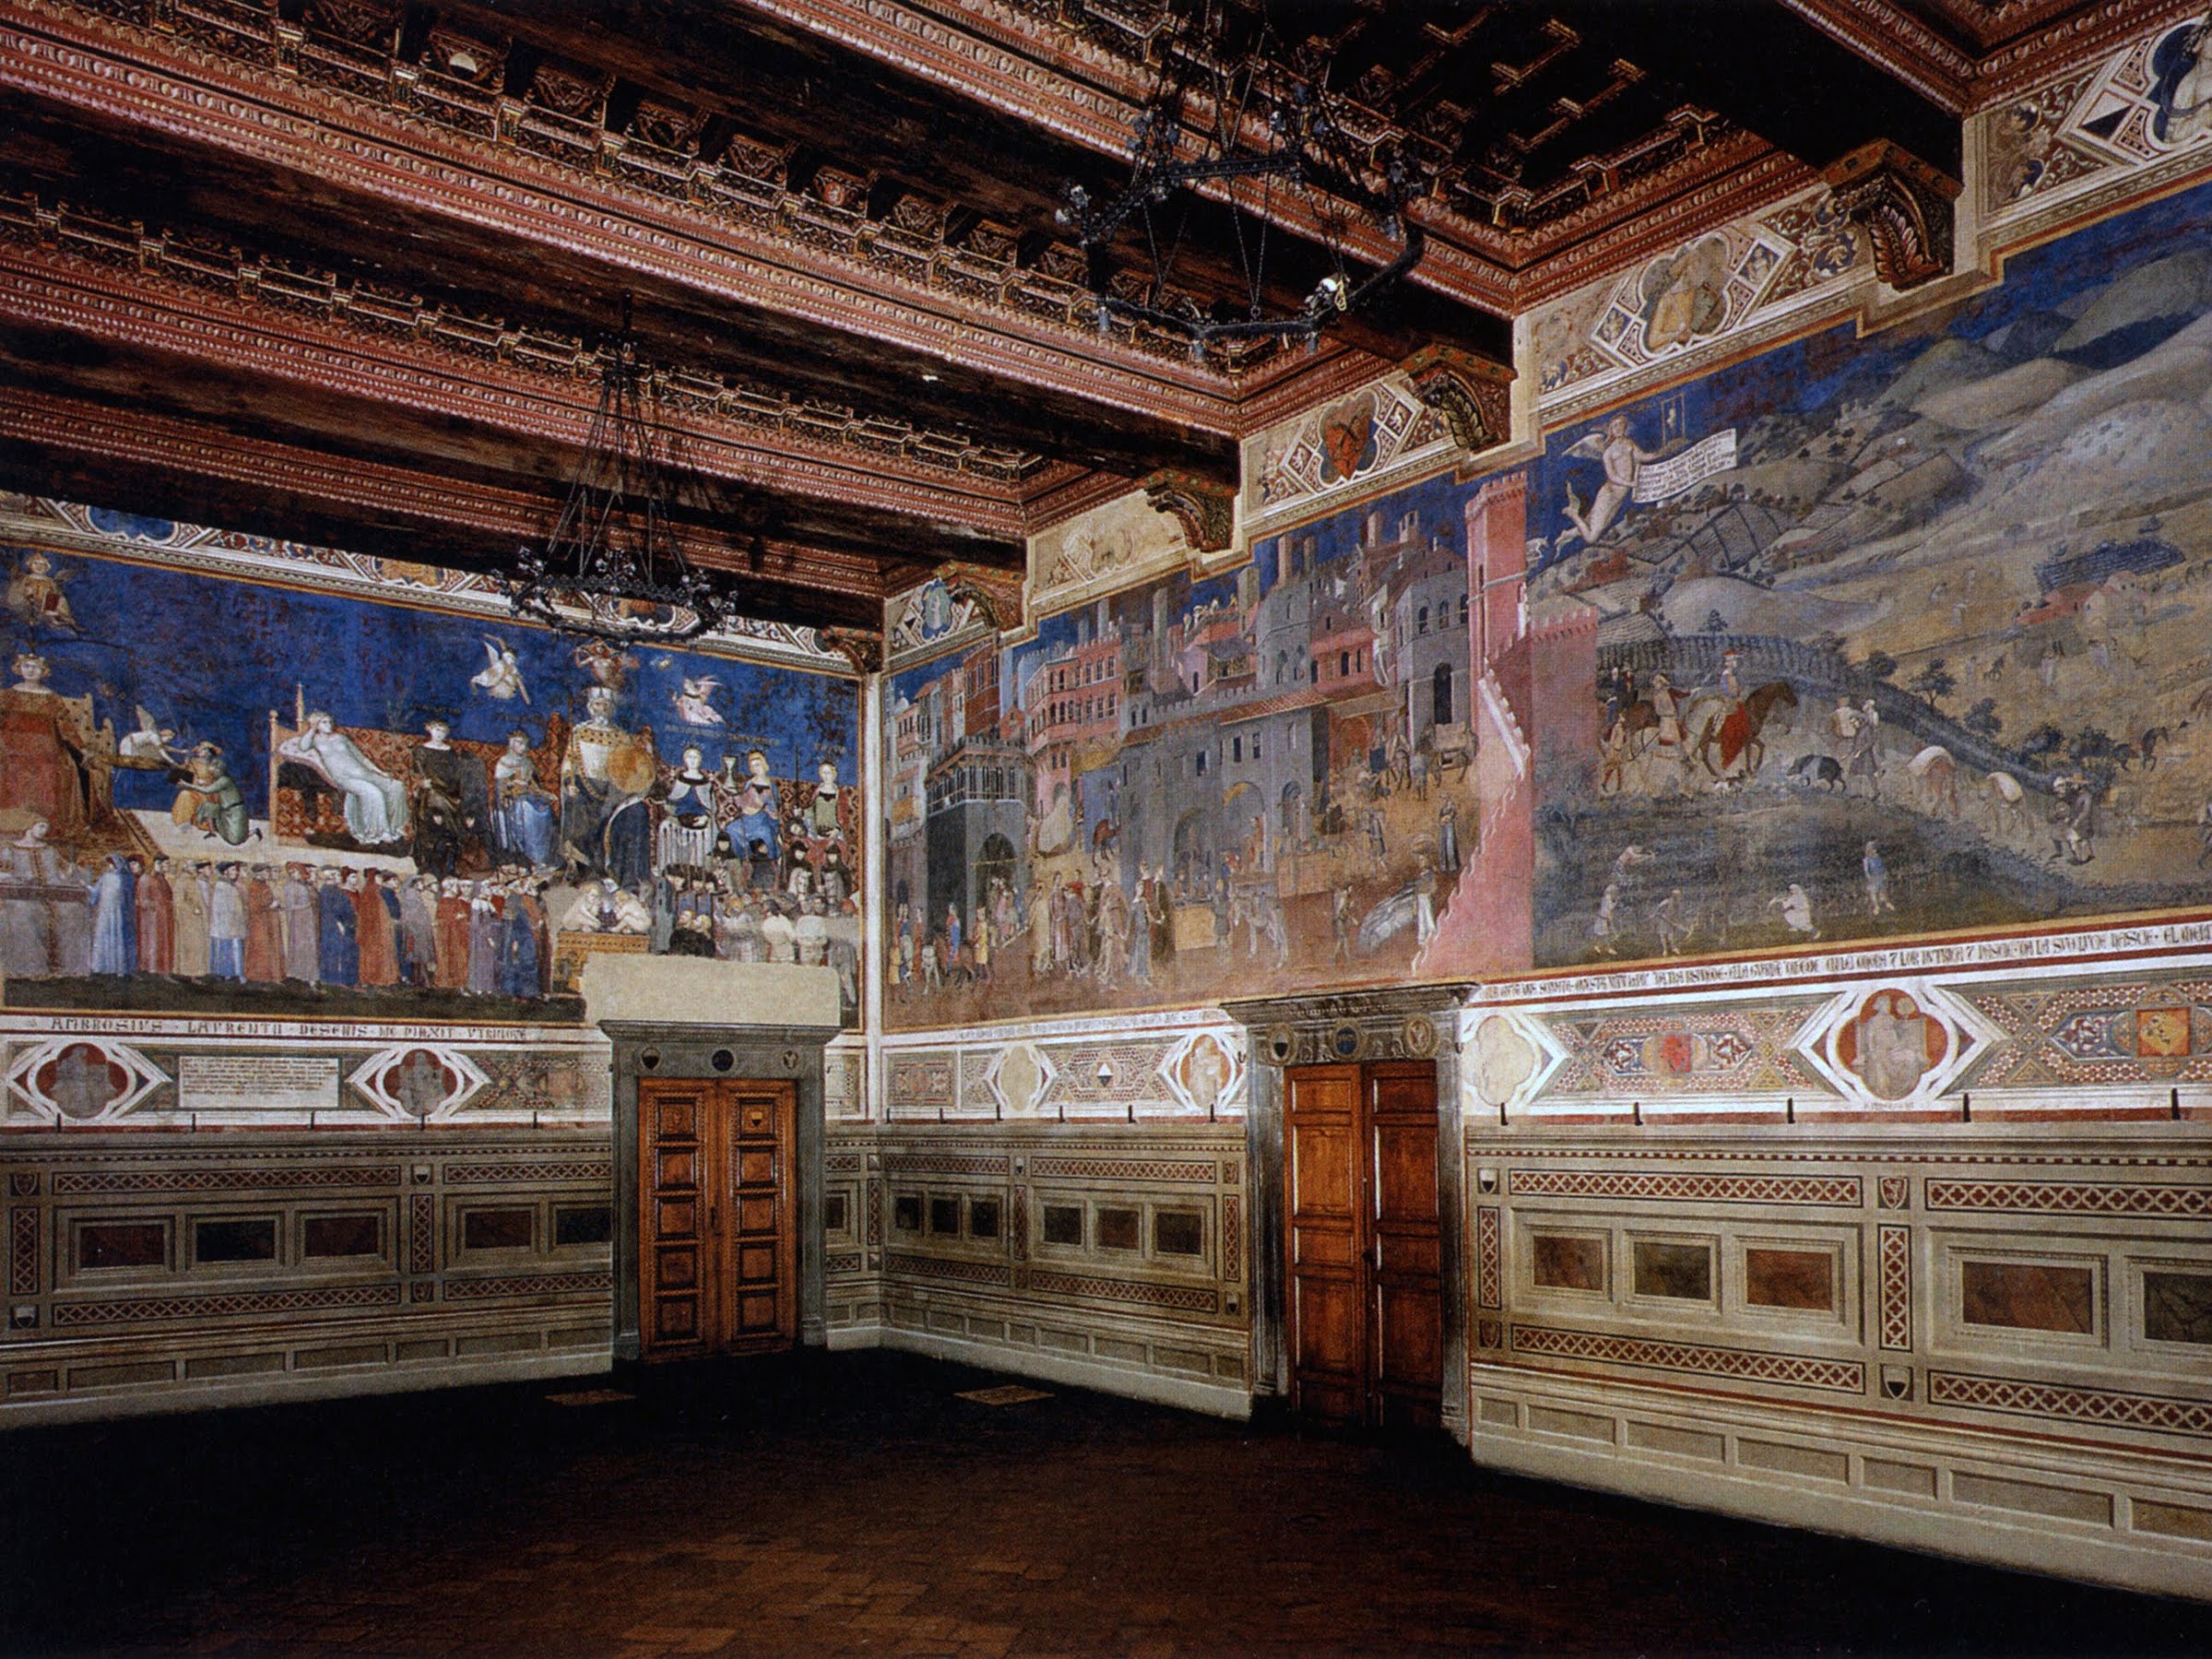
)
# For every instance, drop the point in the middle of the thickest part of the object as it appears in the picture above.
(606, 772)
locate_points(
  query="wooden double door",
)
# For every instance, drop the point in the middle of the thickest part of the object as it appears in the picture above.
(717, 1226)
(1365, 1287)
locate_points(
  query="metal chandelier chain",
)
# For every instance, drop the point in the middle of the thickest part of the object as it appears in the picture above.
(613, 567)
(1310, 152)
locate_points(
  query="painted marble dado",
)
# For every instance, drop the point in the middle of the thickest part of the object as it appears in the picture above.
(2083, 1025)
(1188, 1068)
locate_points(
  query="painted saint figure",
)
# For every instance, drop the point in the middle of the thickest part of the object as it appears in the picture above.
(521, 813)
(449, 800)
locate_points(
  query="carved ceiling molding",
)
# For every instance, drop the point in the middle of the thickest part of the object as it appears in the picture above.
(995, 594)
(1075, 498)
(200, 264)
(1900, 45)
(859, 646)
(2072, 40)
(1904, 205)
(709, 236)
(1992, 51)
(1474, 394)
(1206, 510)
(1037, 67)
(142, 439)
(59, 289)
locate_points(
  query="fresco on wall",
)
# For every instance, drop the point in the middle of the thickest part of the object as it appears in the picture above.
(218, 794)
(1195, 788)
(1897, 634)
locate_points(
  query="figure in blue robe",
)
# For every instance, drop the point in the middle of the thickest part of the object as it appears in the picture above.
(518, 973)
(341, 945)
(116, 918)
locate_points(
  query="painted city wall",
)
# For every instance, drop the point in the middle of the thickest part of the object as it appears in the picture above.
(1198, 784)
(1895, 634)
(245, 795)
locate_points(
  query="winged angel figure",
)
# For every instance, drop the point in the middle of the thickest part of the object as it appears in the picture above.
(692, 706)
(502, 676)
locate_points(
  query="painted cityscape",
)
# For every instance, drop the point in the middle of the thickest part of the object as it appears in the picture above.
(212, 788)
(1196, 787)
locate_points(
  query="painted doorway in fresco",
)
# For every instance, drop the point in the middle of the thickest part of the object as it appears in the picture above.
(1365, 1305)
(718, 1257)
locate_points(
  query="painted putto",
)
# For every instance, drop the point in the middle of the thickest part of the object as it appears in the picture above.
(208, 783)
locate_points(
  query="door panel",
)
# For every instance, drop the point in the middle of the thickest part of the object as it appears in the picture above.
(1328, 1338)
(1364, 1243)
(1406, 1294)
(718, 1258)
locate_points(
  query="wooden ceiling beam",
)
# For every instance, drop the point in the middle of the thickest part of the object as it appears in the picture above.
(75, 448)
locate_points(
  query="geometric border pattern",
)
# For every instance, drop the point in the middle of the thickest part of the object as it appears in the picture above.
(537, 1284)
(1895, 1257)
(2083, 1405)
(23, 1251)
(1842, 1376)
(1489, 1270)
(210, 1306)
(1687, 1188)
(142, 1077)
(372, 1078)
(1188, 1298)
(2068, 1197)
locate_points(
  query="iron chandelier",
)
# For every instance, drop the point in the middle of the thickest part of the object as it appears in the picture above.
(613, 567)
(1201, 126)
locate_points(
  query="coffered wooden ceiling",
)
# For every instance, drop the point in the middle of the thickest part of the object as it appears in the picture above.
(336, 269)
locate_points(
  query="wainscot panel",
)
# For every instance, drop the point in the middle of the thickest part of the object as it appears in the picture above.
(1112, 1257)
(1766, 1250)
(153, 1272)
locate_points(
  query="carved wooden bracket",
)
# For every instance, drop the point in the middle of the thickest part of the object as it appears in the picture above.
(1206, 510)
(996, 594)
(1903, 204)
(861, 647)
(1472, 393)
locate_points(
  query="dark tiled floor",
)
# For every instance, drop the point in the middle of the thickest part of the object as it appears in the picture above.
(853, 1504)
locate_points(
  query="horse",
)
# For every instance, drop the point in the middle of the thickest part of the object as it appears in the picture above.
(1937, 774)
(2005, 800)
(1736, 731)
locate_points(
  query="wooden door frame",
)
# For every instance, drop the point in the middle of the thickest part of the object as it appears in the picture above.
(686, 1052)
(728, 1129)
(1309, 1028)
(1363, 1262)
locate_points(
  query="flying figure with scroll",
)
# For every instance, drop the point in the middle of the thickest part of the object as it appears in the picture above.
(1623, 458)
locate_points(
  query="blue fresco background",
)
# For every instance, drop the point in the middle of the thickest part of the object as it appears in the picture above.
(213, 655)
